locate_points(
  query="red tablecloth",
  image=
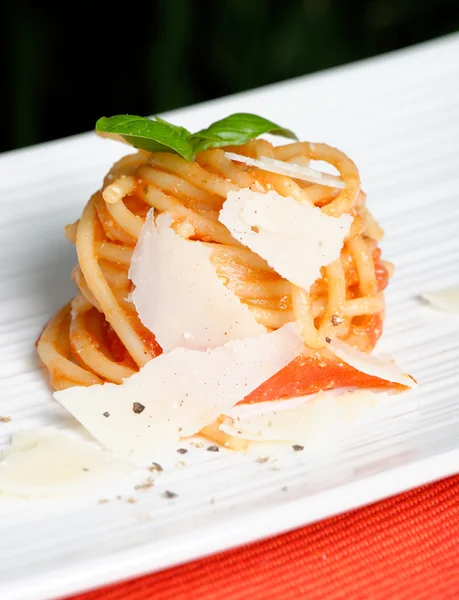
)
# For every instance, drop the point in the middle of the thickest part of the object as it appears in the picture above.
(406, 547)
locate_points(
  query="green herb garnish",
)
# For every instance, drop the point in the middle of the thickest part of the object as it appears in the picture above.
(235, 130)
(153, 135)
(157, 135)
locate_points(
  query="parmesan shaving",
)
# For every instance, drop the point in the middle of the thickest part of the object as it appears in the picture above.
(178, 393)
(297, 240)
(383, 367)
(446, 299)
(243, 411)
(178, 294)
(301, 419)
(289, 169)
(48, 463)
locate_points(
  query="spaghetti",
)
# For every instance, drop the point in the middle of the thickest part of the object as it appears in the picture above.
(98, 337)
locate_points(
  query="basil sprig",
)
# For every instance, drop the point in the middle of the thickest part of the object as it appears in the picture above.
(156, 135)
(235, 130)
(153, 135)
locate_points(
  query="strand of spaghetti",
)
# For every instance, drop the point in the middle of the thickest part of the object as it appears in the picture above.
(332, 322)
(123, 186)
(70, 231)
(254, 149)
(116, 275)
(126, 165)
(346, 167)
(59, 365)
(217, 161)
(101, 290)
(192, 196)
(83, 344)
(238, 274)
(364, 264)
(80, 282)
(285, 186)
(242, 273)
(120, 292)
(301, 160)
(270, 317)
(115, 253)
(357, 226)
(113, 231)
(131, 224)
(352, 308)
(355, 307)
(123, 299)
(61, 383)
(80, 304)
(209, 215)
(194, 173)
(372, 227)
(359, 336)
(214, 433)
(205, 229)
(184, 229)
(239, 255)
(282, 184)
(361, 199)
(264, 289)
(302, 311)
(62, 341)
(367, 305)
(320, 194)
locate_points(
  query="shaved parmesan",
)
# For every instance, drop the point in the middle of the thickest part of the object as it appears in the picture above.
(297, 240)
(178, 294)
(446, 299)
(242, 411)
(383, 367)
(48, 463)
(289, 169)
(301, 419)
(177, 394)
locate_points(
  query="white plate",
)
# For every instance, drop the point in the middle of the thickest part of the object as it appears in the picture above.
(397, 116)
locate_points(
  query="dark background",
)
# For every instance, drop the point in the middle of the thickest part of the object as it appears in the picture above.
(66, 64)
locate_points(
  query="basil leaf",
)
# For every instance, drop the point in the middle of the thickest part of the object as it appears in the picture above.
(152, 135)
(235, 130)
(177, 128)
